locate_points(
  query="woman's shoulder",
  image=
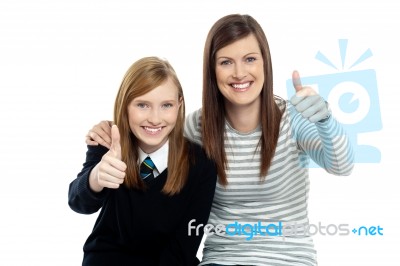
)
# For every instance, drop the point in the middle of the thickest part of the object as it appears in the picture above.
(287, 109)
(193, 126)
(280, 102)
(195, 116)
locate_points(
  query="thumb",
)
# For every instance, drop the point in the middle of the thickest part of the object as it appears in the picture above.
(115, 142)
(296, 81)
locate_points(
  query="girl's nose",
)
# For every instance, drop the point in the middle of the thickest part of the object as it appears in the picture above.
(154, 117)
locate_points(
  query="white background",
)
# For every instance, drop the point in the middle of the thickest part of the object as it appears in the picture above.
(61, 63)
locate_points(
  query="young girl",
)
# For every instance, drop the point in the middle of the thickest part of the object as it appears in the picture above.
(151, 182)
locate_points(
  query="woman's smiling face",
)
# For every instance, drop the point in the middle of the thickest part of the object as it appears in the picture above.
(240, 72)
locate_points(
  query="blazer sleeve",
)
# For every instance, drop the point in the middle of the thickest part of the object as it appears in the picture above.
(81, 198)
(183, 247)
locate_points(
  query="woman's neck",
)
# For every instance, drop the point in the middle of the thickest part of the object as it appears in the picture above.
(243, 118)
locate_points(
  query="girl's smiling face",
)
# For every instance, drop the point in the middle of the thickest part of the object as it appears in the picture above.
(153, 116)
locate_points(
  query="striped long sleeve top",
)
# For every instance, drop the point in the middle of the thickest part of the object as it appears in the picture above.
(265, 222)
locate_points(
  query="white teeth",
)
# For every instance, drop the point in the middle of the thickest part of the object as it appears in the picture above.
(152, 130)
(241, 86)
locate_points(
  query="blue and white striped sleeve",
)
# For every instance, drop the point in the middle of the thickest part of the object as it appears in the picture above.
(325, 142)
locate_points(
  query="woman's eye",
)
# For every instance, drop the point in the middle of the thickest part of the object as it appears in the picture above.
(250, 59)
(225, 62)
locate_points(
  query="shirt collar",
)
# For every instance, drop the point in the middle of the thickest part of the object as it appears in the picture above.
(159, 157)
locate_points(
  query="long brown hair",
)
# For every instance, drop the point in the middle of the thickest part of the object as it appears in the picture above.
(225, 31)
(143, 76)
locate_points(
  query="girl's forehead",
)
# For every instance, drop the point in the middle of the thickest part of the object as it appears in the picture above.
(165, 92)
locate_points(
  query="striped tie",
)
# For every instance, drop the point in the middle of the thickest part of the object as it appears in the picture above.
(146, 169)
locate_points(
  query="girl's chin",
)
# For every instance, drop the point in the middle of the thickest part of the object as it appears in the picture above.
(150, 146)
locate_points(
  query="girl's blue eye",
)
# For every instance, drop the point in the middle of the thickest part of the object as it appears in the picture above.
(167, 105)
(141, 105)
(250, 59)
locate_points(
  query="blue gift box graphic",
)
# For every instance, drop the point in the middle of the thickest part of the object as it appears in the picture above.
(354, 101)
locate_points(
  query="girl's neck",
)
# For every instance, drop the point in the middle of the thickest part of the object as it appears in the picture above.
(243, 118)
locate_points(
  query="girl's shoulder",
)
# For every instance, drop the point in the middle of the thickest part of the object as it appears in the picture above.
(195, 149)
(197, 154)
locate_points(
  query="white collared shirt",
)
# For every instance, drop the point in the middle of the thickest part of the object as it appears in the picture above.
(159, 158)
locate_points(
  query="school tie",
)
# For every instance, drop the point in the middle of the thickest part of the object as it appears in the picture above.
(146, 169)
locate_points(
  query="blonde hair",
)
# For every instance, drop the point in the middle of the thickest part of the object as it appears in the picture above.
(143, 76)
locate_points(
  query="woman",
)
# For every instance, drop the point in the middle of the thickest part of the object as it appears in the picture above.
(151, 182)
(262, 146)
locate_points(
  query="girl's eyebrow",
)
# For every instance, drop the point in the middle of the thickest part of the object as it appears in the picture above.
(146, 101)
